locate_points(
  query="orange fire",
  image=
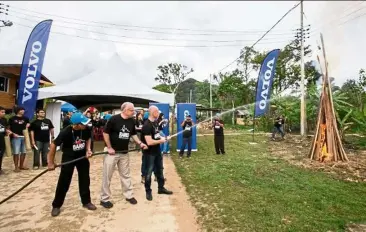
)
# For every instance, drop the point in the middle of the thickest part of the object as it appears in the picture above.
(323, 154)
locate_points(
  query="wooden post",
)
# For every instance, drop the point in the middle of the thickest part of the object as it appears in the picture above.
(327, 144)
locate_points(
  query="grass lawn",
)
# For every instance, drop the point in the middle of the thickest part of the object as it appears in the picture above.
(247, 190)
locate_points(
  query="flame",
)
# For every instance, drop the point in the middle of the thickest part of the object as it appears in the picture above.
(323, 154)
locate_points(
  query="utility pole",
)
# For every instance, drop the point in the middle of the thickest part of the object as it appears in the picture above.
(302, 84)
(211, 95)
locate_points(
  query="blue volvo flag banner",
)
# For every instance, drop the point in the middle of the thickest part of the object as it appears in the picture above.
(265, 81)
(163, 108)
(184, 109)
(32, 67)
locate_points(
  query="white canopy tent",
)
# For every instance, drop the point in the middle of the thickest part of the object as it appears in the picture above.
(110, 83)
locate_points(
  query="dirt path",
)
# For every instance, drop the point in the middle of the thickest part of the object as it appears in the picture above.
(30, 210)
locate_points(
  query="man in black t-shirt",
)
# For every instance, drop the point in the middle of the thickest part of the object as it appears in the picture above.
(153, 158)
(3, 126)
(187, 125)
(17, 124)
(218, 127)
(117, 133)
(278, 127)
(40, 131)
(75, 140)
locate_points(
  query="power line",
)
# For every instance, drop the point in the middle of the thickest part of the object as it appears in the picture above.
(121, 26)
(341, 8)
(144, 38)
(145, 44)
(340, 24)
(294, 7)
(339, 18)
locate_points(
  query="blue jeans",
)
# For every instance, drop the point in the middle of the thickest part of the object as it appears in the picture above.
(279, 130)
(154, 163)
(163, 146)
(43, 148)
(143, 165)
(186, 142)
(18, 145)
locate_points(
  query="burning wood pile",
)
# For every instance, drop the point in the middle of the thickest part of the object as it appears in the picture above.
(327, 144)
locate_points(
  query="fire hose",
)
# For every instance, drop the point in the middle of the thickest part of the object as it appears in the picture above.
(57, 166)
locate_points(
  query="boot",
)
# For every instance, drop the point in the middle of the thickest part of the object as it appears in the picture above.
(22, 159)
(16, 163)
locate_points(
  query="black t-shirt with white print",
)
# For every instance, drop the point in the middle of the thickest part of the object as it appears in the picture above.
(139, 124)
(187, 129)
(3, 126)
(41, 129)
(18, 124)
(73, 141)
(152, 129)
(218, 130)
(120, 130)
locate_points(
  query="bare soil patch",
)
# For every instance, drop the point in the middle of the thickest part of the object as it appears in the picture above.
(30, 209)
(295, 150)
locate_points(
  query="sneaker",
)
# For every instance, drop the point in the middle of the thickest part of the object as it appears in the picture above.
(55, 212)
(106, 204)
(132, 201)
(90, 206)
(35, 167)
(165, 191)
(149, 196)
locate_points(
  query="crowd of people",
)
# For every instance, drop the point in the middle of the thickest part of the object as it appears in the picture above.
(145, 129)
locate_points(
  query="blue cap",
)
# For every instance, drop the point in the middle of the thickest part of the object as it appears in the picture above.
(107, 116)
(146, 115)
(79, 118)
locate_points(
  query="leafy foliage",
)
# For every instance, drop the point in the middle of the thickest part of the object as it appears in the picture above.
(237, 88)
(172, 74)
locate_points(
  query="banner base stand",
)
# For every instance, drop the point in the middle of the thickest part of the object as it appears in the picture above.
(178, 150)
(252, 143)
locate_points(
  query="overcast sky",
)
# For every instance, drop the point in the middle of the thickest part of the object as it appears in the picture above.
(69, 56)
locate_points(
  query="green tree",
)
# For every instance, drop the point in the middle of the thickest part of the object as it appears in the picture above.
(163, 88)
(288, 70)
(203, 94)
(172, 75)
(245, 62)
(231, 90)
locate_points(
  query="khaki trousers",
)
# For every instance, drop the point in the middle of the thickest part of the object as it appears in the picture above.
(123, 165)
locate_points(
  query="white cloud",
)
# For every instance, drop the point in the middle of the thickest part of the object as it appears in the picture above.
(71, 57)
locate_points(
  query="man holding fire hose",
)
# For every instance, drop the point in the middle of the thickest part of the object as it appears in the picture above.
(75, 140)
(117, 133)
